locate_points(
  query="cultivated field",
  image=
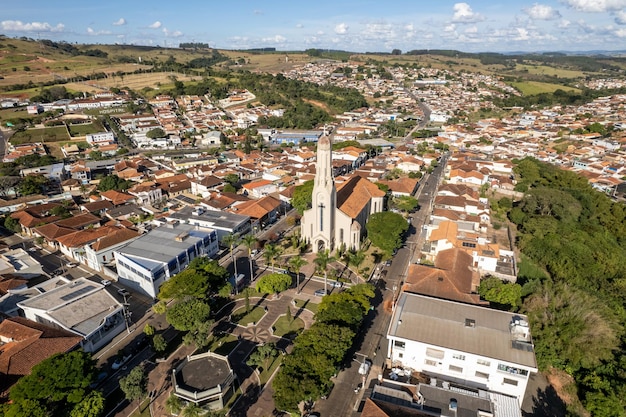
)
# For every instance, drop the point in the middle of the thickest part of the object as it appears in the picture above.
(549, 71)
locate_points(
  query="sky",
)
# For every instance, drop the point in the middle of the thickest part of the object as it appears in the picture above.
(351, 25)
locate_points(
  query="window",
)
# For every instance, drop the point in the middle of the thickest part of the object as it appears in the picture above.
(430, 362)
(483, 362)
(399, 344)
(512, 370)
(482, 375)
(435, 353)
(400, 355)
(469, 245)
(458, 356)
(455, 368)
(470, 323)
(510, 381)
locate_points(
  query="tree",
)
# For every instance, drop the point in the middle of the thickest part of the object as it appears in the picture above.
(273, 283)
(396, 52)
(57, 383)
(250, 242)
(296, 263)
(232, 179)
(12, 224)
(26, 408)
(187, 283)
(33, 184)
(159, 343)
(505, 294)
(321, 262)
(91, 406)
(187, 314)
(192, 410)
(156, 133)
(113, 182)
(134, 385)
(8, 183)
(148, 329)
(303, 197)
(231, 241)
(385, 230)
(405, 203)
(271, 252)
(173, 404)
(262, 355)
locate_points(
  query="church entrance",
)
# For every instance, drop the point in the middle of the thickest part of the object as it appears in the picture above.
(321, 245)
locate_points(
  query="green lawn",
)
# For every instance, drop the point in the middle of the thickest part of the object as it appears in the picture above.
(47, 134)
(530, 88)
(242, 318)
(312, 307)
(83, 129)
(284, 326)
(222, 345)
(265, 374)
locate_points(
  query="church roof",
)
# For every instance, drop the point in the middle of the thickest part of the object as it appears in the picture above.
(354, 194)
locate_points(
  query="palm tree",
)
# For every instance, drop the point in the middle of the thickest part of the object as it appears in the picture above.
(321, 261)
(173, 404)
(297, 262)
(250, 242)
(192, 410)
(232, 241)
(271, 252)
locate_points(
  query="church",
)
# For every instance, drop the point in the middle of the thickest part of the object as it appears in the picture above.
(338, 213)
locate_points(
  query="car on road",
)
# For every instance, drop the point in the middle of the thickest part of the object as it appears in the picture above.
(33, 249)
(120, 361)
(72, 265)
(388, 263)
(320, 293)
(337, 284)
(105, 282)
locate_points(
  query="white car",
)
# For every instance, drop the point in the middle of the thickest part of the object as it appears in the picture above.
(105, 282)
(72, 265)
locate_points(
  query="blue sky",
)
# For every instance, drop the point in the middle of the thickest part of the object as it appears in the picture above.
(353, 25)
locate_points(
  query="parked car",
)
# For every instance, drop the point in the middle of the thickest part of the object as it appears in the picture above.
(337, 284)
(320, 293)
(105, 282)
(72, 265)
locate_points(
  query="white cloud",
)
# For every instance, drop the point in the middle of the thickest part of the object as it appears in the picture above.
(92, 32)
(257, 12)
(596, 5)
(620, 17)
(620, 33)
(471, 29)
(299, 25)
(172, 34)
(564, 23)
(341, 29)
(450, 28)
(409, 27)
(275, 39)
(463, 13)
(19, 26)
(120, 22)
(320, 32)
(155, 25)
(542, 12)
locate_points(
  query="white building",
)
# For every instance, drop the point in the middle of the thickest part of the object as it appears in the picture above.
(82, 307)
(100, 138)
(149, 261)
(338, 217)
(461, 343)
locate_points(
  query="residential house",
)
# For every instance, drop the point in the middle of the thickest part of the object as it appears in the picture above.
(100, 252)
(82, 307)
(259, 188)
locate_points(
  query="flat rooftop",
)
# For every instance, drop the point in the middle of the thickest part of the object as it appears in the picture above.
(217, 219)
(80, 305)
(161, 245)
(462, 327)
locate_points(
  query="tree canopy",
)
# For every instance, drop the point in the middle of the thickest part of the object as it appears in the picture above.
(303, 196)
(57, 384)
(273, 283)
(385, 230)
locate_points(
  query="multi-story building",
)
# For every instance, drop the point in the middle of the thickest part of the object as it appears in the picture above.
(149, 261)
(463, 344)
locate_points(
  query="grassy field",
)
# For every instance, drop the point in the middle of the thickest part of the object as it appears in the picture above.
(83, 129)
(312, 307)
(551, 71)
(15, 113)
(530, 88)
(45, 135)
(242, 318)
